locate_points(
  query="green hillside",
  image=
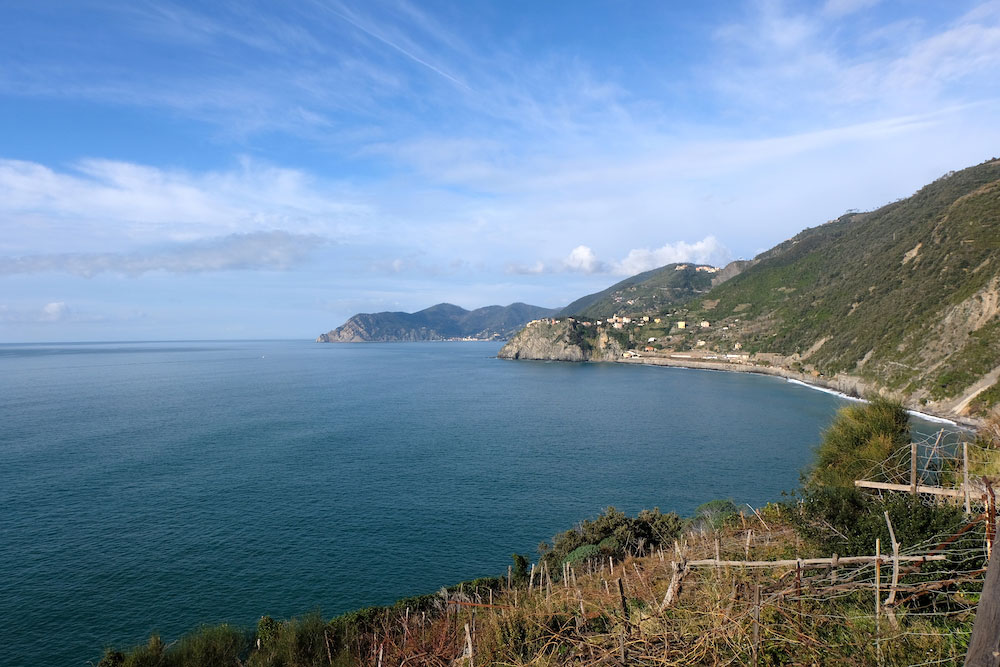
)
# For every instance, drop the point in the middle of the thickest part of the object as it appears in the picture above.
(645, 292)
(441, 322)
(906, 296)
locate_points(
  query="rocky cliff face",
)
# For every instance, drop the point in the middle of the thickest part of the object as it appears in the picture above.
(555, 340)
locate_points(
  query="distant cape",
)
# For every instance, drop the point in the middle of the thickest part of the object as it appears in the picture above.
(444, 321)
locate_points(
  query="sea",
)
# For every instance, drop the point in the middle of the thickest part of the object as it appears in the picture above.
(153, 487)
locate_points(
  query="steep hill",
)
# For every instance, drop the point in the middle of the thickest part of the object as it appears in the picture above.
(646, 292)
(903, 299)
(906, 296)
(441, 322)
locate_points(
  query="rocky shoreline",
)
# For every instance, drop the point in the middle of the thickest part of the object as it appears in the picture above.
(544, 341)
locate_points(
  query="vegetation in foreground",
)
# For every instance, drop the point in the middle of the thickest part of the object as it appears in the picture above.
(631, 589)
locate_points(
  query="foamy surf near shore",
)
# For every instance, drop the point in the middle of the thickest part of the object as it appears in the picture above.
(922, 415)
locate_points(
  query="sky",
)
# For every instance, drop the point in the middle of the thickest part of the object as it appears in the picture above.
(174, 170)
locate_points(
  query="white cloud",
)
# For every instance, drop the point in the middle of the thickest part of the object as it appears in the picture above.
(583, 259)
(706, 251)
(257, 251)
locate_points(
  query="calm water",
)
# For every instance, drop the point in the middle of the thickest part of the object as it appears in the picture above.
(156, 486)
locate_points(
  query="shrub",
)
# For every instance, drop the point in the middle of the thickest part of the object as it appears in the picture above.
(582, 554)
(712, 515)
(860, 437)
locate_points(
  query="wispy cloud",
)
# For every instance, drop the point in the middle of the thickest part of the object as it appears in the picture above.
(777, 60)
(114, 205)
(276, 251)
(583, 259)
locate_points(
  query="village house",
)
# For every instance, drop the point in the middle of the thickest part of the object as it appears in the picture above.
(705, 324)
(682, 324)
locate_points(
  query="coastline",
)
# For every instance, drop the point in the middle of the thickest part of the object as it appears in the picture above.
(848, 387)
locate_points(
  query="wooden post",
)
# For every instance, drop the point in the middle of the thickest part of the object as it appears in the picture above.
(531, 577)
(984, 645)
(913, 468)
(756, 624)
(991, 519)
(798, 590)
(965, 476)
(510, 576)
(878, 573)
(468, 643)
(895, 561)
(621, 593)
(746, 550)
(611, 566)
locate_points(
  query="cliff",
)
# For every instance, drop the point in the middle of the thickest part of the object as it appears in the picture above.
(561, 340)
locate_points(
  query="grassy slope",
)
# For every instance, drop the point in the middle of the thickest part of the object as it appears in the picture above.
(649, 292)
(583, 621)
(847, 281)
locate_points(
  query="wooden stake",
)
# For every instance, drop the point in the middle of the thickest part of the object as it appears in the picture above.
(965, 476)
(913, 468)
(878, 592)
(895, 562)
(756, 624)
(621, 593)
(746, 549)
(531, 577)
(468, 643)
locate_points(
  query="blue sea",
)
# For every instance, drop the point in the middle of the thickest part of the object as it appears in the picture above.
(153, 487)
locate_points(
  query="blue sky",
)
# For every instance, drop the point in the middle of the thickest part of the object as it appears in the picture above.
(250, 170)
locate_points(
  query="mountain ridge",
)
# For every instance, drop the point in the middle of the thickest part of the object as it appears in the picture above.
(443, 321)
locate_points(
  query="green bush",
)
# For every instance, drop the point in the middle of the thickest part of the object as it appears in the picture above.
(860, 438)
(847, 521)
(615, 535)
(582, 554)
